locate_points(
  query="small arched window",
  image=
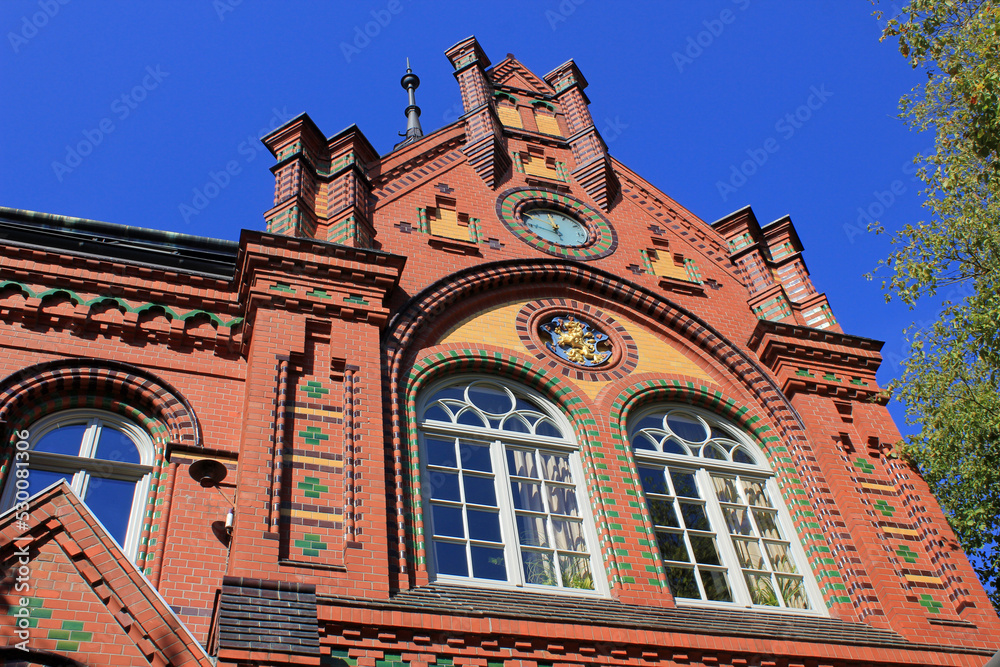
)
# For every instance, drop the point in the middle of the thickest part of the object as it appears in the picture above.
(105, 459)
(722, 531)
(502, 489)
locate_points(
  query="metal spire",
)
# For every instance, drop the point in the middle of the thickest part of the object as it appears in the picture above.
(410, 81)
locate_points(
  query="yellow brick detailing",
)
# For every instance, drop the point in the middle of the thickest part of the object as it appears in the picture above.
(315, 460)
(878, 487)
(496, 326)
(445, 223)
(664, 266)
(917, 579)
(509, 116)
(322, 516)
(547, 124)
(538, 166)
(337, 414)
(899, 531)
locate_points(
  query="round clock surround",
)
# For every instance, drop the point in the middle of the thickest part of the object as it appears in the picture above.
(556, 223)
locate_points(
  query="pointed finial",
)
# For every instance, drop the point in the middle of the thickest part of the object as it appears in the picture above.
(410, 81)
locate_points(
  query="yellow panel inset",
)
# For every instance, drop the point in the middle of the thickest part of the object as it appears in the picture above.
(509, 116)
(916, 578)
(536, 166)
(547, 124)
(877, 487)
(321, 516)
(315, 460)
(496, 326)
(899, 531)
(664, 265)
(445, 223)
(336, 414)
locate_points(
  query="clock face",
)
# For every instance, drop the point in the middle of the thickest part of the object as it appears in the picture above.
(556, 227)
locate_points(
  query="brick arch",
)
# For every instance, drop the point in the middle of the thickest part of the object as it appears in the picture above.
(411, 330)
(502, 363)
(132, 392)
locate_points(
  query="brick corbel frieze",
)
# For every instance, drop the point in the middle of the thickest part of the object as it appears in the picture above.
(313, 277)
(818, 361)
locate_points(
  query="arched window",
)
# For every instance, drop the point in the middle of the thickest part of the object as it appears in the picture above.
(105, 459)
(723, 533)
(502, 489)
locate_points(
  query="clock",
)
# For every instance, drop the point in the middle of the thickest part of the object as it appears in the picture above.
(556, 227)
(556, 223)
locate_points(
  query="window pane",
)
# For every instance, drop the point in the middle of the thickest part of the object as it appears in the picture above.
(479, 490)
(556, 468)
(456, 393)
(687, 427)
(694, 516)
(451, 558)
(562, 500)
(491, 399)
(470, 417)
(527, 496)
(663, 513)
(575, 571)
(531, 531)
(440, 452)
(780, 559)
(682, 583)
(516, 424)
(749, 554)
(725, 489)
(475, 457)
(538, 568)
(741, 456)
(484, 526)
(767, 522)
(716, 585)
(443, 485)
(711, 451)
(40, 479)
(672, 546)
(438, 413)
(643, 441)
(738, 520)
(761, 590)
(111, 502)
(650, 421)
(793, 592)
(547, 429)
(673, 446)
(65, 440)
(489, 563)
(652, 480)
(756, 494)
(448, 520)
(569, 535)
(521, 463)
(704, 549)
(684, 484)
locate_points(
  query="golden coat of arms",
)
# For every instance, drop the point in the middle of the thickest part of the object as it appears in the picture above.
(576, 341)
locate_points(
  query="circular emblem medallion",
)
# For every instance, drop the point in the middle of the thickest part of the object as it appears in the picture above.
(556, 223)
(576, 341)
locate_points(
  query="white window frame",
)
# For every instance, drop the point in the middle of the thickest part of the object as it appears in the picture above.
(84, 466)
(703, 467)
(497, 440)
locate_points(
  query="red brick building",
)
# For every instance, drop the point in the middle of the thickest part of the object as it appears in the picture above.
(489, 400)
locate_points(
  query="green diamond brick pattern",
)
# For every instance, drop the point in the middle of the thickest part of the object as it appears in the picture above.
(311, 544)
(311, 487)
(864, 466)
(930, 604)
(314, 389)
(313, 435)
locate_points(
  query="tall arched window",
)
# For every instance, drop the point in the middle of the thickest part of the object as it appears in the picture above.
(502, 493)
(723, 533)
(105, 459)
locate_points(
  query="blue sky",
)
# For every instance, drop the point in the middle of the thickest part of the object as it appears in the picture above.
(167, 93)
